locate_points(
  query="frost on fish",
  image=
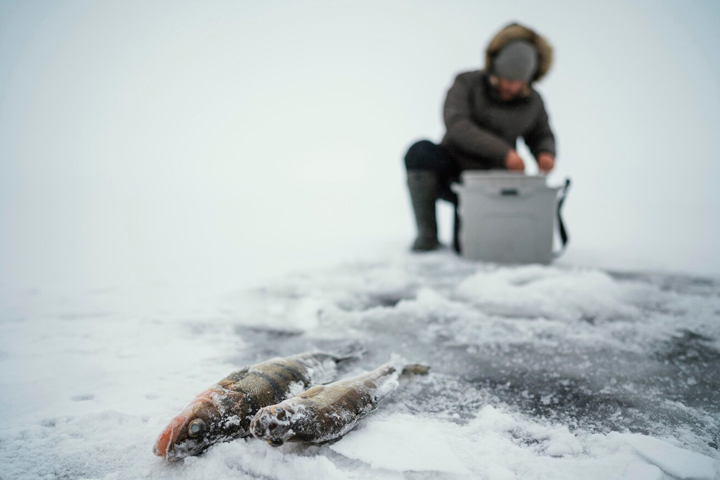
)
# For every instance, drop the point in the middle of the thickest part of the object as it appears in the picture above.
(224, 411)
(295, 388)
(327, 412)
(320, 370)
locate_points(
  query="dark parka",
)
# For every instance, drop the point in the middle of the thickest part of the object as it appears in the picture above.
(481, 128)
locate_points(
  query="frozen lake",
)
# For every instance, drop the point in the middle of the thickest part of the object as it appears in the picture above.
(537, 372)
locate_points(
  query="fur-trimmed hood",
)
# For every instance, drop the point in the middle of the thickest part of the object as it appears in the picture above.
(514, 32)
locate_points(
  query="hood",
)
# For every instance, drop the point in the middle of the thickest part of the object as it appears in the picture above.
(514, 32)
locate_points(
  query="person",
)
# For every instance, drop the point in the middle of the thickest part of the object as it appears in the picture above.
(485, 112)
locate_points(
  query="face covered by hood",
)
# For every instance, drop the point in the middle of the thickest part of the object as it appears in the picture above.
(512, 34)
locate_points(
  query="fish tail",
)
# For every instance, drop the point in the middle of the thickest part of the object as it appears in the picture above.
(415, 369)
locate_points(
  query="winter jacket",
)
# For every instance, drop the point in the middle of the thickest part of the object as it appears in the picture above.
(481, 128)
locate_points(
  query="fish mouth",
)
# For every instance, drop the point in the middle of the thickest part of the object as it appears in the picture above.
(272, 424)
(166, 441)
(165, 445)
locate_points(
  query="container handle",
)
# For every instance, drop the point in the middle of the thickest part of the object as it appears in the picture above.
(564, 238)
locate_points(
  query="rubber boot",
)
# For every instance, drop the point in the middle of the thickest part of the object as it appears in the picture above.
(423, 193)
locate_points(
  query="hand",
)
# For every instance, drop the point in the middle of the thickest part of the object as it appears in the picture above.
(546, 161)
(514, 162)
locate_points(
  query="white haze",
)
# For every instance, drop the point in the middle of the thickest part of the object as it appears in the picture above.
(165, 166)
(229, 142)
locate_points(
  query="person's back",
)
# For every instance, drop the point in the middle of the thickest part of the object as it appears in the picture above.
(485, 112)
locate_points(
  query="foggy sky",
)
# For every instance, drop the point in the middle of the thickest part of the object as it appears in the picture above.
(231, 141)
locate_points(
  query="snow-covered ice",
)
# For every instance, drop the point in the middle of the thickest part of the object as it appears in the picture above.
(537, 372)
(401, 443)
(676, 461)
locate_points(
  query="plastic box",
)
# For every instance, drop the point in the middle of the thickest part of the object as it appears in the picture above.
(506, 217)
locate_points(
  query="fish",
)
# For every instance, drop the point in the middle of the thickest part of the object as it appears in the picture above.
(224, 411)
(327, 412)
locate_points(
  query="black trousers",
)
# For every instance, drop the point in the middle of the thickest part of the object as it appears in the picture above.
(425, 155)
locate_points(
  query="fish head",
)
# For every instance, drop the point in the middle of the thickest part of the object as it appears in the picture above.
(212, 417)
(273, 424)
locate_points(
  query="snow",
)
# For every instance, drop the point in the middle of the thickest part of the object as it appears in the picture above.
(673, 460)
(537, 372)
(402, 443)
(537, 291)
(642, 471)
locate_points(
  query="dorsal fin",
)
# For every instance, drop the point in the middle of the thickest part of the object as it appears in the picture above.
(415, 369)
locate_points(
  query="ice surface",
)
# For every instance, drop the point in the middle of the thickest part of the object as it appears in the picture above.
(401, 443)
(673, 460)
(537, 372)
(642, 471)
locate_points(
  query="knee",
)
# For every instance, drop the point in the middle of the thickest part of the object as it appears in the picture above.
(422, 155)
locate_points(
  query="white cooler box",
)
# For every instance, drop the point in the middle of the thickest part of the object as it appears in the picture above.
(509, 217)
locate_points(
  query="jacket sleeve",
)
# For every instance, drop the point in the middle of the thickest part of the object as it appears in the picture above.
(540, 137)
(466, 135)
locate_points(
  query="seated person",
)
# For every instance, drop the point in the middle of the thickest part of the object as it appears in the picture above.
(485, 112)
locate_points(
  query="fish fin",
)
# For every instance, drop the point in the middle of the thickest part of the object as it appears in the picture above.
(415, 369)
(234, 377)
(353, 351)
(324, 372)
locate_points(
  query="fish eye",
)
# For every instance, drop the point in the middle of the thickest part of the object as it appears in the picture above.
(196, 427)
